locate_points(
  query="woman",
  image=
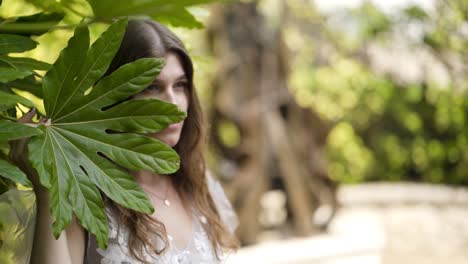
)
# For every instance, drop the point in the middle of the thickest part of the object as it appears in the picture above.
(193, 221)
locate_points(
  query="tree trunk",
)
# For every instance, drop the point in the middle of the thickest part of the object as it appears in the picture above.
(279, 140)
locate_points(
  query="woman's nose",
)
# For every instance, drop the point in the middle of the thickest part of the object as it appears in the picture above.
(170, 96)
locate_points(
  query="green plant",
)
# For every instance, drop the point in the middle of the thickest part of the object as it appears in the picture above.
(89, 135)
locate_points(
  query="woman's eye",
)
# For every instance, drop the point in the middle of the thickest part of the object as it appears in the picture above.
(182, 84)
(153, 87)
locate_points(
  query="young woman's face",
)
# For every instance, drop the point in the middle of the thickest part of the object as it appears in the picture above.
(171, 86)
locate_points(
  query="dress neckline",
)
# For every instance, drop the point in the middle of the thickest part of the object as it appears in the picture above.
(190, 239)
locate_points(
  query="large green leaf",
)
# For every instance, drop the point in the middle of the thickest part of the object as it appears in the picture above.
(36, 24)
(10, 130)
(41, 148)
(124, 82)
(131, 116)
(8, 100)
(14, 43)
(97, 61)
(72, 188)
(42, 17)
(47, 5)
(172, 12)
(91, 136)
(29, 84)
(60, 77)
(183, 18)
(25, 63)
(11, 74)
(14, 68)
(11, 172)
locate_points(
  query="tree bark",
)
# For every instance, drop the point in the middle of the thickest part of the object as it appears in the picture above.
(280, 141)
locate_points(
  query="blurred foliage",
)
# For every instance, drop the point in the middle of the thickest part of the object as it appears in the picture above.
(16, 226)
(385, 128)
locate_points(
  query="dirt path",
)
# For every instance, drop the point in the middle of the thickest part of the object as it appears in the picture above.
(381, 224)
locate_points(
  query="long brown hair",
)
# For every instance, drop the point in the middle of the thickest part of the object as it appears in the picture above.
(146, 38)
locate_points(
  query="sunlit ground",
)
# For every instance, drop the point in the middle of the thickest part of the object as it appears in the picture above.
(381, 223)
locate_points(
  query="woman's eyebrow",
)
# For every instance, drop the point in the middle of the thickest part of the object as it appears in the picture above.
(181, 77)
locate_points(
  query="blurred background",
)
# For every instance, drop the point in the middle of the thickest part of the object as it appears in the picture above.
(339, 129)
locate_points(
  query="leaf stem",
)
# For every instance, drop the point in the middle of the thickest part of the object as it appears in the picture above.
(37, 75)
(2, 116)
(36, 27)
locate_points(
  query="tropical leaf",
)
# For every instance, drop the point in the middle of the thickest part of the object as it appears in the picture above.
(13, 173)
(25, 63)
(11, 74)
(170, 11)
(14, 43)
(47, 5)
(90, 138)
(14, 68)
(97, 62)
(71, 188)
(43, 17)
(183, 19)
(36, 24)
(10, 130)
(17, 225)
(61, 75)
(8, 100)
(29, 84)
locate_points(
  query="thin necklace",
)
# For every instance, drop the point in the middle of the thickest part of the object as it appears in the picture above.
(165, 199)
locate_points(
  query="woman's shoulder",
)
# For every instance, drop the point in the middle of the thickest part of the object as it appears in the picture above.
(227, 213)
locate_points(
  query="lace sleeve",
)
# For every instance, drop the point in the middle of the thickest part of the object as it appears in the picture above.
(227, 213)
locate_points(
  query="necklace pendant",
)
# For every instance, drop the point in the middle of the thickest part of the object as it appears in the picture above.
(166, 202)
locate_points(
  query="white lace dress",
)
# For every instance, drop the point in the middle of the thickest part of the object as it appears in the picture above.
(198, 249)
